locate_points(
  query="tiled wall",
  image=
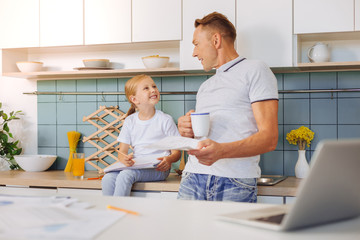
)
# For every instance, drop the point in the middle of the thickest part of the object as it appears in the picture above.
(58, 115)
(329, 115)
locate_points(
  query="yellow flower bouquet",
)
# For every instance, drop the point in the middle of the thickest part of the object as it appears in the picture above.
(301, 137)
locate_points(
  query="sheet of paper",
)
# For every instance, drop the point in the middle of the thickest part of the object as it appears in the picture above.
(148, 161)
(59, 201)
(17, 216)
(175, 143)
(49, 222)
(6, 199)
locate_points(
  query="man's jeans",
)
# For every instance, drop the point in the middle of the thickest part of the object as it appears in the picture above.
(195, 186)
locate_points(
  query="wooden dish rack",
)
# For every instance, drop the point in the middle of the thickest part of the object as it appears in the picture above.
(107, 131)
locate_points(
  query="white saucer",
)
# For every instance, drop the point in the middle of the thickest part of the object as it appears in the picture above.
(93, 68)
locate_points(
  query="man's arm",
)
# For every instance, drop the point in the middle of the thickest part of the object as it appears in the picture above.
(265, 140)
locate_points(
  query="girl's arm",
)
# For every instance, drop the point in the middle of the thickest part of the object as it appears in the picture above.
(123, 155)
(166, 162)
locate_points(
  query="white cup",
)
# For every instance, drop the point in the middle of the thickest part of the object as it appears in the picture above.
(200, 124)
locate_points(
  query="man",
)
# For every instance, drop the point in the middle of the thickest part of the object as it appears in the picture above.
(242, 100)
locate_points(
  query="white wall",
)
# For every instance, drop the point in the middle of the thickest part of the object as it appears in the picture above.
(13, 99)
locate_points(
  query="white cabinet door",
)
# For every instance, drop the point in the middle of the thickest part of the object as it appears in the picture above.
(107, 21)
(145, 194)
(61, 22)
(26, 191)
(78, 191)
(290, 200)
(357, 15)
(193, 10)
(156, 20)
(19, 23)
(316, 16)
(270, 199)
(265, 33)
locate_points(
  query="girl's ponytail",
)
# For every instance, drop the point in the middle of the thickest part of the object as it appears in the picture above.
(131, 110)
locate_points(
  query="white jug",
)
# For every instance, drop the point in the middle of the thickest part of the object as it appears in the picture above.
(319, 53)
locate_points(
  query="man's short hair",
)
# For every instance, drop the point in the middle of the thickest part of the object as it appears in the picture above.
(218, 22)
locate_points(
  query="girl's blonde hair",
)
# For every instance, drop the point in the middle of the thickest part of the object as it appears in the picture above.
(130, 90)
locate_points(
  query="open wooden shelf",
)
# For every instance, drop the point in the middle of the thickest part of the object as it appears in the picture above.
(328, 64)
(320, 67)
(87, 74)
(172, 71)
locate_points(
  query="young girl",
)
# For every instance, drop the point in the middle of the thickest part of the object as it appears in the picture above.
(141, 127)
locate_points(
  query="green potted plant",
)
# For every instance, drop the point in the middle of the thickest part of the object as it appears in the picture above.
(8, 145)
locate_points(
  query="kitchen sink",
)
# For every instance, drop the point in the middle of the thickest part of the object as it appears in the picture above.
(270, 180)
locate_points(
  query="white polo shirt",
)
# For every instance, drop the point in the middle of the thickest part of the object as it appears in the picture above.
(228, 96)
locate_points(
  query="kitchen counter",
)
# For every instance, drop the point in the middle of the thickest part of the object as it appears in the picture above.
(60, 179)
(164, 219)
(176, 219)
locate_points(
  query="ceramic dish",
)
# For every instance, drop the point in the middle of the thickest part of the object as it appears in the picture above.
(93, 68)
(35, 163)
(155, 61)
(29, 66)
(96, 62)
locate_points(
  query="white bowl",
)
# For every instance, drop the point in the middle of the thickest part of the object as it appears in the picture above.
(96, 62)
(29, 66)
(155, 61)
(35, 163)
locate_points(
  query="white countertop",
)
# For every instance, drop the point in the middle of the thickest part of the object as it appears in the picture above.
(179, 219)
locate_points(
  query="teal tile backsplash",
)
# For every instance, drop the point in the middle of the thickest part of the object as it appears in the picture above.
(329, 115)
(86, 86)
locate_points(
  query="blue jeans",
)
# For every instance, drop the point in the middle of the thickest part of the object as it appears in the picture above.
(120, 183)
(195, 186)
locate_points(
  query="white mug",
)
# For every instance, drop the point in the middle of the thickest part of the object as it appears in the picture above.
(200, 124)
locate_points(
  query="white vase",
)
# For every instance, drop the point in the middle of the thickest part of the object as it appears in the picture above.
(4, 165)
(302, 166)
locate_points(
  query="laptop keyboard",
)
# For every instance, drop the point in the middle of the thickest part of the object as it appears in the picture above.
(272, 219)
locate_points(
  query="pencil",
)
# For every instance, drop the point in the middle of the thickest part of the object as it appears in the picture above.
(126, 155)
(95, 178)
(121, 209)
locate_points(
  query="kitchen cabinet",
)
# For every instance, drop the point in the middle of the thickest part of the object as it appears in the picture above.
(158, 195)
(270, 199)
(24, 190)
(156, 20)
(317, 16)
(107, 21)
(290, 200)
(193, 10)
(78, 191)
(61, 22)
(19, 23)
(265, 33)
(357, 15)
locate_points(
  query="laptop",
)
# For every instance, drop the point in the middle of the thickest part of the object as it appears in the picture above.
(329, 193)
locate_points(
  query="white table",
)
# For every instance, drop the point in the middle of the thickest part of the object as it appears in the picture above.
(179, 219)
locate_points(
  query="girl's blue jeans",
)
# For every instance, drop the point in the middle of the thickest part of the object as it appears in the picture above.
(120, 183)
(195, 186)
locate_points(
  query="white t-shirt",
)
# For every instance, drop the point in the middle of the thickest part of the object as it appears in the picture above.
(138, 133)
(228, 96)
